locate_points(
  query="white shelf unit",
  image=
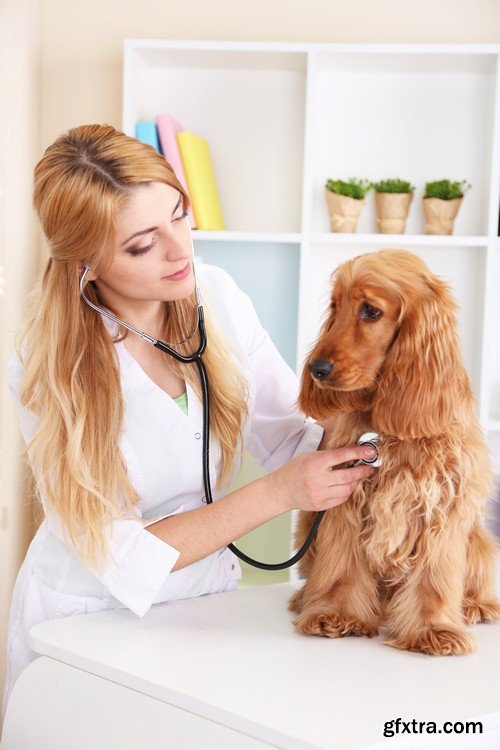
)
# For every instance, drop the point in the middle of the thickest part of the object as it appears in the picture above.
(282, 118)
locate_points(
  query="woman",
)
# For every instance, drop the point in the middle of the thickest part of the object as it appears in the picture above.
(115, 449)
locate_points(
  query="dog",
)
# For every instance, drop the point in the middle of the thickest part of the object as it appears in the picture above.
(408, 551)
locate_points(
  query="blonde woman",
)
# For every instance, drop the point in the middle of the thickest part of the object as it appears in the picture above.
(113, 426)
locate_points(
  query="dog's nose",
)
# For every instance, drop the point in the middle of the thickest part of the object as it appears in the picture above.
(320, 368)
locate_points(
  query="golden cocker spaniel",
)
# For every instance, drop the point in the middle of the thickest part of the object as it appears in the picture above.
(408, 550)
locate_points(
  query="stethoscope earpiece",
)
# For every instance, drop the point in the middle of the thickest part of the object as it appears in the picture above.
(163, 345)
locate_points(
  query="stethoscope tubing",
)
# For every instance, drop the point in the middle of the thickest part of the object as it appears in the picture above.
(206, 481)
(197, 359)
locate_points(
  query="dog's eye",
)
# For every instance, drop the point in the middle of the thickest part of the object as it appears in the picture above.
(333, 305)
(369, 312)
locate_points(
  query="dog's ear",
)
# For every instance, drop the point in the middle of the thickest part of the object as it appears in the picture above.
(422, 377)
(322, 403)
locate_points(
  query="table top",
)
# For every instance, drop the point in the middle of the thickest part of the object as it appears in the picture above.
(235, 658)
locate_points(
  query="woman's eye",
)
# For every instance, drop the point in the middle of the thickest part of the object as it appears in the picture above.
(142, 250)
(367, 311)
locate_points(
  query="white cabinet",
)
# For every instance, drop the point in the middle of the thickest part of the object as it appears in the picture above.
(282, 118)
(229, 670)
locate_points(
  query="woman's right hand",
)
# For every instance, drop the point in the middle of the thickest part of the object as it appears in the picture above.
(310, 481)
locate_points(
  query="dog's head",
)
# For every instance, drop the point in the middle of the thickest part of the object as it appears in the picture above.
(388, 344)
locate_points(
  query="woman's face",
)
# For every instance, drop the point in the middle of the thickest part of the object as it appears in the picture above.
(137, 278)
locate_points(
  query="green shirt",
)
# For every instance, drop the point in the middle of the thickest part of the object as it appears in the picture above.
(182, 401)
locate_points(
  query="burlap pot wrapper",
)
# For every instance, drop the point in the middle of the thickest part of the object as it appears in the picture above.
(391, 212)
(343, 211)
(439, 214)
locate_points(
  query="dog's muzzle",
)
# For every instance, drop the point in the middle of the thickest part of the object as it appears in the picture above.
(320, 368)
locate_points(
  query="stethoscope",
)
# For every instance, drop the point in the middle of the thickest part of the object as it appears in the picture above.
(369, 438)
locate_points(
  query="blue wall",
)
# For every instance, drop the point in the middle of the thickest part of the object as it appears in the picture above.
(269, 274)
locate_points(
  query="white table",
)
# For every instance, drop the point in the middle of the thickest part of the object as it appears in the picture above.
(228, 671)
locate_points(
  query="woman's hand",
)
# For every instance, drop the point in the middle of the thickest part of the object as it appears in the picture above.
(310, 481)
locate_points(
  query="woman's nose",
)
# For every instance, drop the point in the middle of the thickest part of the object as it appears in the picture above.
(175, 250)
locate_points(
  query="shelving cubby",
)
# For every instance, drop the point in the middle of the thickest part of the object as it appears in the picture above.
(282, 118)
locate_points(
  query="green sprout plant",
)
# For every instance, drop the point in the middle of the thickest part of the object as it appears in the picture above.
(352, 188)
(345, 199)
(392, 203)
(441, 201)
(446, 190)
(393, 185)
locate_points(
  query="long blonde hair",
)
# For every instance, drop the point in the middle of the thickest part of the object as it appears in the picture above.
(71, 377)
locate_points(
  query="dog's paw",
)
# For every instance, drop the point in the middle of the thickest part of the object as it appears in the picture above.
(480, 611)
(295, 603)
(333, 625)
(437, 641)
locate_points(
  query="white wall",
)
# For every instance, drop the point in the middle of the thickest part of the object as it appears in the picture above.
(20, 36)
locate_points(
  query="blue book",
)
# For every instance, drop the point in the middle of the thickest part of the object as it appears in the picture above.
(146, 131)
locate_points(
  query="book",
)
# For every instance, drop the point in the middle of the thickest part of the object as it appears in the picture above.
(145, 131)
(198, 168)
(168, 128)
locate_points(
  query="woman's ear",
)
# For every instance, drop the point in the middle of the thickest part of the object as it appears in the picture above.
(90, 275)
(422, 377)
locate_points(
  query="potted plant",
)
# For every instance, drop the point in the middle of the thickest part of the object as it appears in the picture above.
(441, 201)
(392, 203)
(345, 201)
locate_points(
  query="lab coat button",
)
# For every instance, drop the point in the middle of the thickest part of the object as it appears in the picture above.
(203, 499)
(197, 435)
(232, 566)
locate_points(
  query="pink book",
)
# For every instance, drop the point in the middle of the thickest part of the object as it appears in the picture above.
(167, 130)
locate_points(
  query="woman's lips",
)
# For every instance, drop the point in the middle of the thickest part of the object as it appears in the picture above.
(179, 275)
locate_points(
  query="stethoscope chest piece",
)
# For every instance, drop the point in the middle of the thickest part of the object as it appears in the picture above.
(372, 439)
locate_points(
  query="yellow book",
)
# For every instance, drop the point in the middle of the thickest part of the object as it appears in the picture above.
(200, 178)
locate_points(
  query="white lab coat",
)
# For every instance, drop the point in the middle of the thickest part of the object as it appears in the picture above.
(162, 447)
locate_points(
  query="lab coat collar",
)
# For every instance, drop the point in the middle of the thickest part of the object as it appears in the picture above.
(111, 325)
(134, 380)
(132, 372)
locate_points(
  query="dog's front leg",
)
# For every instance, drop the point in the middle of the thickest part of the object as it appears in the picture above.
(340, 595)
(425, 612)
(480, 603)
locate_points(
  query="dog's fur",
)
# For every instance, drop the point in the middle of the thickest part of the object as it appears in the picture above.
(408, 550)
